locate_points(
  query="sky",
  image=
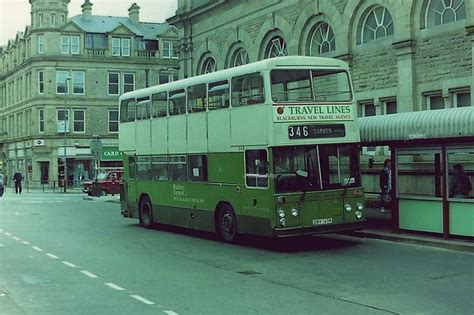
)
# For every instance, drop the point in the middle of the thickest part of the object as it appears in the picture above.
(15, 14)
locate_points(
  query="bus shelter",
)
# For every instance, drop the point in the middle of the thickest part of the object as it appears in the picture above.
(430, 150)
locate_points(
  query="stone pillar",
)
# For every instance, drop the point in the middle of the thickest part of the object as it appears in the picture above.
(406, 94)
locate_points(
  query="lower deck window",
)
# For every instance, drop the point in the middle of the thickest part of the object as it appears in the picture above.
(177, 168)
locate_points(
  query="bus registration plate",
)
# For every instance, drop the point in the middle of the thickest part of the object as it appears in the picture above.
(322, 221)
(316, 131)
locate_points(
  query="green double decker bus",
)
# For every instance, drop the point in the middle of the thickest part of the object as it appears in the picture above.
(268, 148)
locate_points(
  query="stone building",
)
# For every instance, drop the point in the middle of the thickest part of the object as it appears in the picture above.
(411, 65)
(405, 55)
(80, 66)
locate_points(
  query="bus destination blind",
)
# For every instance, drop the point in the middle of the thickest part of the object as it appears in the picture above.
(316, 131)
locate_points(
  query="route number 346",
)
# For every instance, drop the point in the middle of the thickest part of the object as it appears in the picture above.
(298, 131)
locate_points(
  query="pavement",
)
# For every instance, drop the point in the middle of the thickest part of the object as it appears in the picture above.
(378, 226)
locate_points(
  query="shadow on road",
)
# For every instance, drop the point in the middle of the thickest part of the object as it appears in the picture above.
(321, 242)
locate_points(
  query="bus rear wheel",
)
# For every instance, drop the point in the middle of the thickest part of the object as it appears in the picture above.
(227, 223)
(146, 212)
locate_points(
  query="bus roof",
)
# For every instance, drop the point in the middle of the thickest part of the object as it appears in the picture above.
(266, 64)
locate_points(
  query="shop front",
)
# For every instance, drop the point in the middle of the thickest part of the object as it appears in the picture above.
(111, 158)
(432, 155)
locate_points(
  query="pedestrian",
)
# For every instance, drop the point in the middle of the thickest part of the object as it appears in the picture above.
(385, 184)
(459, 185)
(2, 187)
(17, 178)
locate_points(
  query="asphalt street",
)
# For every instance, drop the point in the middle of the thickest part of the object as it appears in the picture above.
(66, 254)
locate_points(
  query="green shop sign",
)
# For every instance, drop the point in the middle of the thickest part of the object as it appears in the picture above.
(111, 154)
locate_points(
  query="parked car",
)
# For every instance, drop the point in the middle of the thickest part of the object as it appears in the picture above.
(108, 181)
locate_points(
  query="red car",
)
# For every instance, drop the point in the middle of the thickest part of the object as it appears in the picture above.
(109, 182)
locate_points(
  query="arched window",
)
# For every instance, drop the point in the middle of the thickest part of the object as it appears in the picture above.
(439, 12)
(208, 66)
(378, 24)
(322, 40)
(239, 58)
(276, 47)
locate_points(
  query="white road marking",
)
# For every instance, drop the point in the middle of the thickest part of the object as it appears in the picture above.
(16, 238)
(1, 245)
(170, 313)
(26, 242)
(7, 234)
(89, 274)
(52, 256)
(142, 299)
(69, 264)
(37, 248)
(114, 286)
(1, 230)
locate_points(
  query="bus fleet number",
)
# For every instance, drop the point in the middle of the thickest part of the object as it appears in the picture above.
(298, 131)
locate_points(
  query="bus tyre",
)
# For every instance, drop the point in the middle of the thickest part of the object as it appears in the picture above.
(227, 223)
(104, 192)
(146, 213)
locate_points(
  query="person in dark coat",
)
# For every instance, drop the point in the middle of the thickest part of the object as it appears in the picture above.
(17, 178)
(2, 187)
(385, 184)
(459, 186)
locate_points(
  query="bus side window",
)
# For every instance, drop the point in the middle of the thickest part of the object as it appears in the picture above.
(127, 111)
(197, 168)
(177, 168)
(143, 167)
(177, 102)
(159, 104)
(159, 166)
(218, 93)
(256, 168)
(132, 167)
(143, 108)
(247, 90)
(197, 98)
(131, 111)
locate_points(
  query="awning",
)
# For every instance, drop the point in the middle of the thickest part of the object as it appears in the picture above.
(429, 124)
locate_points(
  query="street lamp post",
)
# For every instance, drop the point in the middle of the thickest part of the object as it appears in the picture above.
(66, 118)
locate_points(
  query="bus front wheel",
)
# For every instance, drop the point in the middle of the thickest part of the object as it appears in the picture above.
(146, 212)
(227, 223)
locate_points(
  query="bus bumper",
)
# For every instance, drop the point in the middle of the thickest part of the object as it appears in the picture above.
(296, 231)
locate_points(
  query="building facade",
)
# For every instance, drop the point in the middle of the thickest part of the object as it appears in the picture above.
(60, 81)
(404, 55)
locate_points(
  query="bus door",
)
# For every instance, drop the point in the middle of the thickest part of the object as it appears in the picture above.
(255, 198)
(131, 186)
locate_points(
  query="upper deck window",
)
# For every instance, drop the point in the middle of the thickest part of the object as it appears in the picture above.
(305, 86)
(177, 102)
(197, 98)
(247, 90)
(127, 110)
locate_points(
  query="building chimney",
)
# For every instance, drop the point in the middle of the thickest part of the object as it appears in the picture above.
(134, 14)
(87, 11)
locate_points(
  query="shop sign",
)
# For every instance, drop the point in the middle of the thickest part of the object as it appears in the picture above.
(296, 113)
(111, 154)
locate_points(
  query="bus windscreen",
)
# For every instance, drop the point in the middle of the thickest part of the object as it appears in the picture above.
(306, 86)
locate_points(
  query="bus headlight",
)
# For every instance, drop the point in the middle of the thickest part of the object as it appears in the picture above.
(283, 222)
(281, 213)
(358, 214)
(348, 207)
(294, 212)
(360, 206)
